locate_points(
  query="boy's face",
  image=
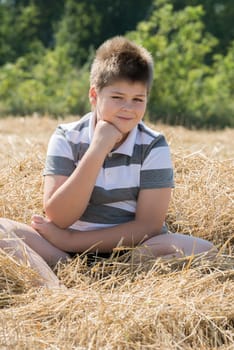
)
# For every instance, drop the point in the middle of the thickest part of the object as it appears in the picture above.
(122, 104)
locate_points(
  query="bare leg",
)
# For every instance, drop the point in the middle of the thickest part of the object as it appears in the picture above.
(28, 246)
(173, 245)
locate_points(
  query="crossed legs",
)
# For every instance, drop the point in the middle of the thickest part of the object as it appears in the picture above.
(174, 245)
(26, 245)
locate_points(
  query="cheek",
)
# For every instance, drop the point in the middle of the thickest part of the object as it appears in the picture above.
(141, 110)
(104, 111)
(107, 109)
(144, 109)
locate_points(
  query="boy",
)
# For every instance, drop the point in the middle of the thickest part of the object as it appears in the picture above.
(108, 177)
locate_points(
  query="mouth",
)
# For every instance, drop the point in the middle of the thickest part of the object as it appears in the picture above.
(124, 118)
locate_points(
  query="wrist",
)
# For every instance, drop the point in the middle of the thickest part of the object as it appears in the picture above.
(106, 136)
(99, 150)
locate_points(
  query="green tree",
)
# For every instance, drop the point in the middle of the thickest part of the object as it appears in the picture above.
(217, 102)
(218, 19)
(86, 24)
(120, 16)
(179, 45)
(18, 31)
(26, 25)
(52, 85)
(78, 26)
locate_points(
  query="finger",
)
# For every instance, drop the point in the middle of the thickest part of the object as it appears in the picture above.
(36, 226)
(37, 218)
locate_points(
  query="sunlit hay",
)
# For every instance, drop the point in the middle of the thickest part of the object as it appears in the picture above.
(184, 309)
(15, 278)
(115, 271)
(21, 187)
(203, 183)
(202, 202)
(183, 304)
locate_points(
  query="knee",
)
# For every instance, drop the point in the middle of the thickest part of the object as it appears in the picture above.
(208, 248)
(190, 245)
(203, 243)
(3, 223)
(201, 246)
(6, 226)
(3, 228)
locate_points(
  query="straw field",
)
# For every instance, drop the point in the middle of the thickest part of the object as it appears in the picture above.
(114, 304)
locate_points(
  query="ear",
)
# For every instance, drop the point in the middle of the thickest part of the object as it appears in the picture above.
(92, 95)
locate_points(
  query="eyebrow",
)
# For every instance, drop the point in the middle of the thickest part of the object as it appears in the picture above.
(121, 93)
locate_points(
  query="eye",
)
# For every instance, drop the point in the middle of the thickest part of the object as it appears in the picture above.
(116, 97)
(137, 99)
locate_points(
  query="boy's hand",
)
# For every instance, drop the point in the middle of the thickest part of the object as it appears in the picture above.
(106, 136)
(52, 233)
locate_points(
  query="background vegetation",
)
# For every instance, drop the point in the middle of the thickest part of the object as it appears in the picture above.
(46, 49)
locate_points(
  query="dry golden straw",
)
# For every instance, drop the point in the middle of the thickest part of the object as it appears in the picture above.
(115, 304)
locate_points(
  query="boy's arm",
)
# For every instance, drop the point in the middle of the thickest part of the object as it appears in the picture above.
(66, 198)
(152, 206)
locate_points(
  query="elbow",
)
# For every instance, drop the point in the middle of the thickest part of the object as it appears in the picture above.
(154, 230)
(57, 217)
(146, 230)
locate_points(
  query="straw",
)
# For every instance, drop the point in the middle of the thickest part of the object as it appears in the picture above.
(116, 304)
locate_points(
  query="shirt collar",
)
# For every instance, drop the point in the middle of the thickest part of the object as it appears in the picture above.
(126, 147)
(92, 122)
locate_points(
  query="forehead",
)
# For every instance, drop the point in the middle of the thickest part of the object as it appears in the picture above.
(126, 87)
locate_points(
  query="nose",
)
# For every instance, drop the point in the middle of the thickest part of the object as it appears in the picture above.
(127, 105)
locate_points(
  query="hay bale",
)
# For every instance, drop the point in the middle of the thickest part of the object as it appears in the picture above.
(178, 304)
(162, 308)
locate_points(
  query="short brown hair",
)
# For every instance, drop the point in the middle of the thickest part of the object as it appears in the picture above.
(119, 58)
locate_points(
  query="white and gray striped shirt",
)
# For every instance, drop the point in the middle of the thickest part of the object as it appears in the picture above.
(142, 162)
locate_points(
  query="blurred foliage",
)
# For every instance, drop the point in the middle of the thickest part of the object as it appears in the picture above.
(218, 19)
(186, 90)
(46, 50)
(76, 36)
(51, 86)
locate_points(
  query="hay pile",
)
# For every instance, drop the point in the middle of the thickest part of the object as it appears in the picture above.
(178, 304)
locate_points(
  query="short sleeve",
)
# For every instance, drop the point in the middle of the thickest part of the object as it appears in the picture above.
(59, 158)
(157, 169)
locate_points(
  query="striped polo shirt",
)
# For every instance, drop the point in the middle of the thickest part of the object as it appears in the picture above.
(142, 161)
